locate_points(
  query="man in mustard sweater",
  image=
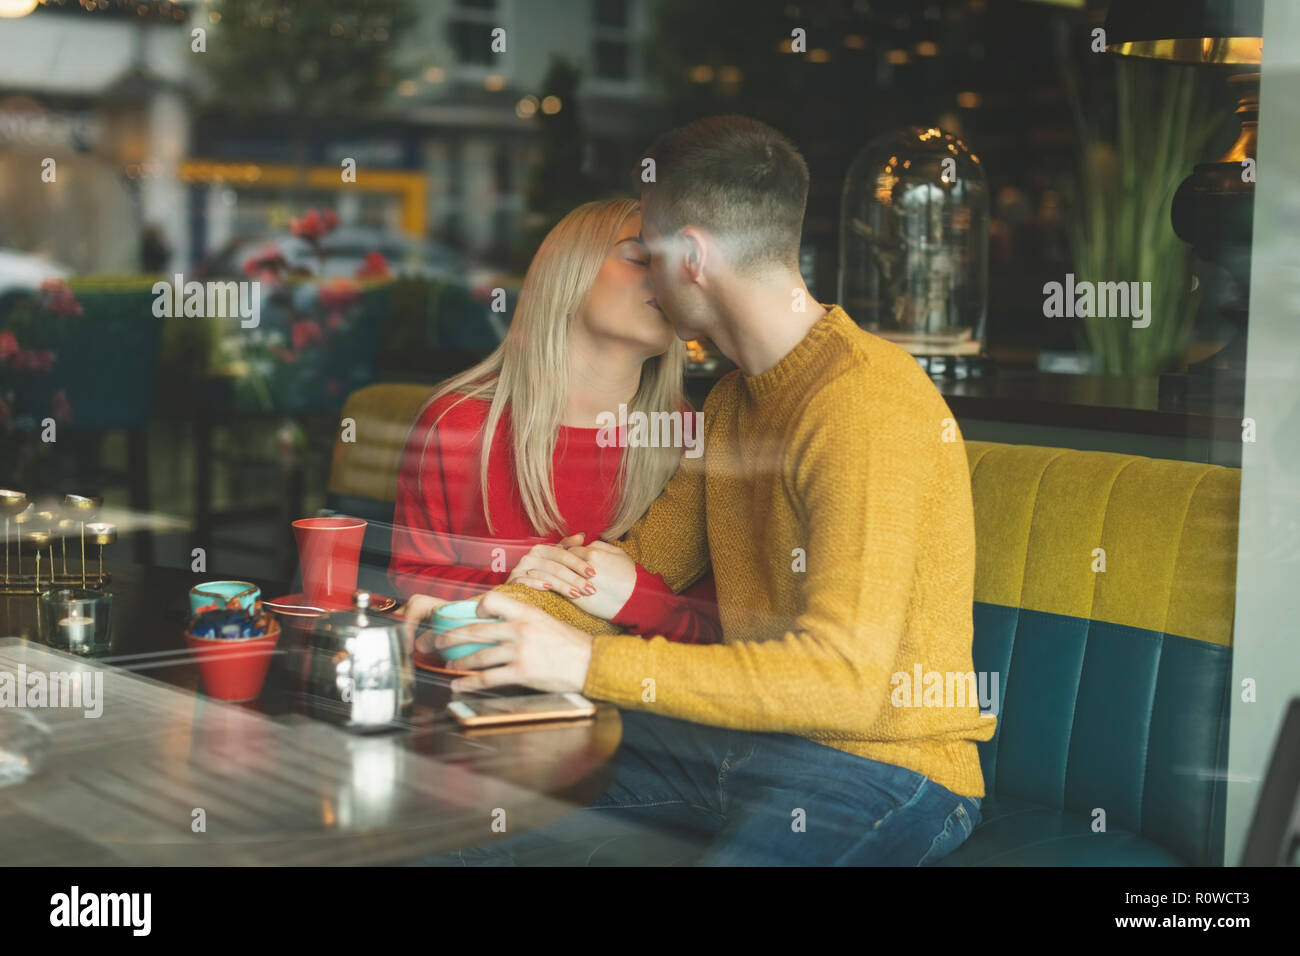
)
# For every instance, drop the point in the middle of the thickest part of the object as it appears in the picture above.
(833, 504)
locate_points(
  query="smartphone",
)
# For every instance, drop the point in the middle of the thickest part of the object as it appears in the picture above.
(514, 710)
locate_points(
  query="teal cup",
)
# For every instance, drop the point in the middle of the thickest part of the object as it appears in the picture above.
(454, 615)
(220, 593)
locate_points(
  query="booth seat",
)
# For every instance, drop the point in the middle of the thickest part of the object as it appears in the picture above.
(1112, 735)
(363, 472)
(1104, 591)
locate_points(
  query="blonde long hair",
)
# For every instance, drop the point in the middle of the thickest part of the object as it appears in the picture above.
(529, 373)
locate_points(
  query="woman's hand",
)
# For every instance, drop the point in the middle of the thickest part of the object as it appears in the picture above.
(608, 588)
(553, 567)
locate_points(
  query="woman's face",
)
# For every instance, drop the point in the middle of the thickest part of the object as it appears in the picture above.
(620, 304)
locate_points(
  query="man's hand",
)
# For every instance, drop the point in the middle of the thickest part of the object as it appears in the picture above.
(532, 649)
(418, 609)
(610, 584)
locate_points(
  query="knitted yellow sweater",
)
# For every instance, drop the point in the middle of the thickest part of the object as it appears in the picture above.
(841, 532)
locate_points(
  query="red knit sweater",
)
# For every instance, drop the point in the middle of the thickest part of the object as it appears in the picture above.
(441, 542)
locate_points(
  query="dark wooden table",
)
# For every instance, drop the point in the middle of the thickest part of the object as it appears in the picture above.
(427, 784)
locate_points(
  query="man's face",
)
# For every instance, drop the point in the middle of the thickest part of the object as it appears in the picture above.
(674, 293)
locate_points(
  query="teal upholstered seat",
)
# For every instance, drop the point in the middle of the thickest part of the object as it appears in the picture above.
(1113, 682)
(363, 473)
(1018, 832)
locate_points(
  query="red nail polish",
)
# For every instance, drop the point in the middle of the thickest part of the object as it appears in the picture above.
(589, 589)
(546, 585)
(591, 573)
(574, 592)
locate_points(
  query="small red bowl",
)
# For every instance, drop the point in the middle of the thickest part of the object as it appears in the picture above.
(234, 669)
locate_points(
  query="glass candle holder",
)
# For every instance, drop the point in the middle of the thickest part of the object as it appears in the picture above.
(77, 620)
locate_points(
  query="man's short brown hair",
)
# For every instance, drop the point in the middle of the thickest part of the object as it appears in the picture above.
(737, 178)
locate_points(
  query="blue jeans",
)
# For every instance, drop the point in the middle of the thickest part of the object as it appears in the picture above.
(689, 793)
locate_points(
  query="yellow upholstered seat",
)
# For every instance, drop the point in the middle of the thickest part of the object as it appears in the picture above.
(381, 419)
(1168, 530)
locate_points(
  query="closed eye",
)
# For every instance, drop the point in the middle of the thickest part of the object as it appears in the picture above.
(639, 254)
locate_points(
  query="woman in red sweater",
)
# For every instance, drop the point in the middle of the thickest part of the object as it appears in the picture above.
(586, 337)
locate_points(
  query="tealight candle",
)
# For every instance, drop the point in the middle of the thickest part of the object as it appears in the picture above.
(76, 630)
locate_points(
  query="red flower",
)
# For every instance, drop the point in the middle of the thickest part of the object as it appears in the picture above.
(308, 226)
(265, 263)
(208, 607)
(338, 293)
(59, 299)
(374, 266)
(313, 225)
(8, 345)
(61, 407)
(32, 360)
(305, 332)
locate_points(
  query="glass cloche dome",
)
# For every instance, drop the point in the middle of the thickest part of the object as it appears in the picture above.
(914, 247)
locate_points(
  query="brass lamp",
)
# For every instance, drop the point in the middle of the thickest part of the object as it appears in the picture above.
(1213, 209)
(1225, 32)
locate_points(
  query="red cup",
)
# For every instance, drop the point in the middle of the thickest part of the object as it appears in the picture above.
(329, 550)
(234, 669)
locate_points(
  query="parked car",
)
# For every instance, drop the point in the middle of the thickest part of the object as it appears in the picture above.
(21, 274)
(344, 253)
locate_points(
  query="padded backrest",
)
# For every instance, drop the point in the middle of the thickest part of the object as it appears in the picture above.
(1104, 595)
(366, 469)
(117, 323)
(363, 473)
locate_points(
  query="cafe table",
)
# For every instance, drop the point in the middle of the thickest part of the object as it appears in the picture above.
(167, 776)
